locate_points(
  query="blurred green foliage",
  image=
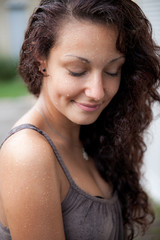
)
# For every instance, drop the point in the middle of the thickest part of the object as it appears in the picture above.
(8, 69)
(11, 84)
(14, 87)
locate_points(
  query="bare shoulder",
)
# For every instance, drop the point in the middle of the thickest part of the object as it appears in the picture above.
(30, 187)
(27, 148)
(27, 155)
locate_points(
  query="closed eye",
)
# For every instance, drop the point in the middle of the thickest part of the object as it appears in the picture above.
(76, 74)
(112, 74)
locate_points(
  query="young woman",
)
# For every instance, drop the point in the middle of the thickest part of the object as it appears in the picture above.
(70, 168)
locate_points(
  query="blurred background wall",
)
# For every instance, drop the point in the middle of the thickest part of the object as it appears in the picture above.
(14, 15)
(13, 19)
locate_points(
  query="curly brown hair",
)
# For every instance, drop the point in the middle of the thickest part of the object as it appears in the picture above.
(115, 140)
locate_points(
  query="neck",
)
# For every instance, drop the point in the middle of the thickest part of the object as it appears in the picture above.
(57, 124)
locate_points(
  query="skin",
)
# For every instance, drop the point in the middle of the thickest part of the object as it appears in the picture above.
(83, 74)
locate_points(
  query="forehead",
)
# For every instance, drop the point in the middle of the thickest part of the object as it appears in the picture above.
(87, 39)
(79, 29)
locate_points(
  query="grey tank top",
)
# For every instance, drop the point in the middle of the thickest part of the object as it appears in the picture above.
(85, 217)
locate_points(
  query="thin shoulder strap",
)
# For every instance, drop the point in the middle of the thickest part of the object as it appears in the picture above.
(30, 126)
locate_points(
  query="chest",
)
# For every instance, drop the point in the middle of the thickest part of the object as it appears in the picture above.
(87, 217)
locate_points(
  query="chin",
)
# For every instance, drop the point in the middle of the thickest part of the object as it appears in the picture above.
(85, 121)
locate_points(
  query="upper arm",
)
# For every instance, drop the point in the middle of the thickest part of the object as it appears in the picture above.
(30, 190)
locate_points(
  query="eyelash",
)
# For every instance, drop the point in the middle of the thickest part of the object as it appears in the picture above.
(112, 74)
(74, 74)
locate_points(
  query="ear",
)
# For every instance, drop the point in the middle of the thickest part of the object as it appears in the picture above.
(42, 67)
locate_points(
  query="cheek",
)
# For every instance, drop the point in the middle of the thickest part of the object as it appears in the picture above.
(67, 87)
(58, 83)
(65, 90)
(112, 89)
(116, 88)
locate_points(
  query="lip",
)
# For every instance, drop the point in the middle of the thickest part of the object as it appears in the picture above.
(88, 107)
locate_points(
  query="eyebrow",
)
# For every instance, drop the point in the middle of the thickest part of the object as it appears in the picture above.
(116, 59)
(80, 58)
(87, 61)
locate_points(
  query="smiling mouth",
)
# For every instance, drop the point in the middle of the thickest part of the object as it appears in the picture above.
(88, 107)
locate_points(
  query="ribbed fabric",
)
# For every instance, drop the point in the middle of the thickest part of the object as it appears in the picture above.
(85, 217)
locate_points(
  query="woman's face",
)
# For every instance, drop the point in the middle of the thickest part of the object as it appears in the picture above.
(84, 71)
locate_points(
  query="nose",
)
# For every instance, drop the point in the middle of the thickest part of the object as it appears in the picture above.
(95, 88)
